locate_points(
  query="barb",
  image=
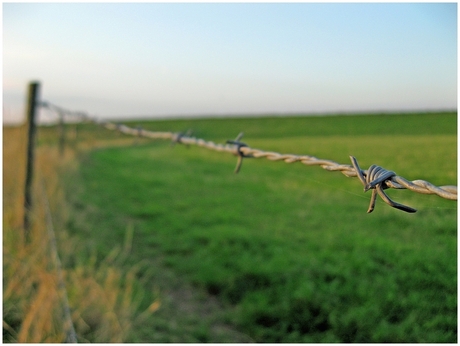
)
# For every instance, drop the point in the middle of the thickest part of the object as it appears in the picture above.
(240, 154)
(177, 138)
(375, 178)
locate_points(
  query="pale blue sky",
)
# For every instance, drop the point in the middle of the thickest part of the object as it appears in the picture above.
(151, 59)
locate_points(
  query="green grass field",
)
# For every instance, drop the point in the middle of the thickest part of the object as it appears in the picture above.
(288, 249)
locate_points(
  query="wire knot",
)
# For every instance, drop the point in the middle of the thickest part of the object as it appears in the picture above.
(375, 179)
(240, 154)
(178, 137)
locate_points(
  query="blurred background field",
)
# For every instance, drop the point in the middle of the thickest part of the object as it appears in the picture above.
(286, 252)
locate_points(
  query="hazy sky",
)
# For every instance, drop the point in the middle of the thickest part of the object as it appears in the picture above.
(115, 59)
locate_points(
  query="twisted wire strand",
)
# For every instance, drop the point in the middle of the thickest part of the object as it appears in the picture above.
(60, 110)
(244, 151)
(396, 182)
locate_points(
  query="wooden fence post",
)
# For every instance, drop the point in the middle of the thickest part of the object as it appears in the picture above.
(32, 104)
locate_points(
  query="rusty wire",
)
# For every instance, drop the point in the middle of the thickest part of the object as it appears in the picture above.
(375, 178)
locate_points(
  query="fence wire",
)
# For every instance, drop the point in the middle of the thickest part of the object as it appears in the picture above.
(375, 178)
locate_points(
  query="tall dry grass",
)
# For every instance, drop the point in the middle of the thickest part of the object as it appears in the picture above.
(101, 294)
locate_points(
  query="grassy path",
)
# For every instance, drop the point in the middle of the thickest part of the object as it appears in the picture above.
(186, 314)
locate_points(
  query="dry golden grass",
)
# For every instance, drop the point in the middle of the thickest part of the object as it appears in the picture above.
(101, 295)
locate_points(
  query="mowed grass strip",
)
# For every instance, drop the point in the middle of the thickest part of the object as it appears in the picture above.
(289, 249)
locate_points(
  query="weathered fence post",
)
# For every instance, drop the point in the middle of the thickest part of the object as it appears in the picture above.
(32, 104)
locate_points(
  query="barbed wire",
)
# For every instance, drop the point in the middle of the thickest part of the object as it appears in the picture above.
(375, 178)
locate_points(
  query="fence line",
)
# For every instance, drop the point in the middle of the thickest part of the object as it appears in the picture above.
(375, 178)
(70, 334)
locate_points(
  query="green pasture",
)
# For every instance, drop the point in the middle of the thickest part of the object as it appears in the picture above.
(288, 249)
